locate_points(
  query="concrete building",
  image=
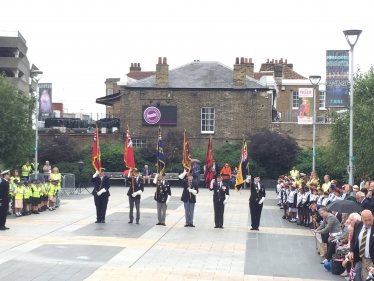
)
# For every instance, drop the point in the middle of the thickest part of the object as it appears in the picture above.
(14, 61)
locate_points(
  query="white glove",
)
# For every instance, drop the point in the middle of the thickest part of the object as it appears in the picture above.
(226, 199)
(167, 200)
(96, 174)
(248, 179)
(262, 200)
(129, 174)
(189, 189)
(156, 176)
(193, 191)
(136, 193)
(211, 183)
(101, 191)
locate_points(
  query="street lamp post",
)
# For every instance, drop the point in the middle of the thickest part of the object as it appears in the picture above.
(355, 34)
(314, 79)
(37, 75)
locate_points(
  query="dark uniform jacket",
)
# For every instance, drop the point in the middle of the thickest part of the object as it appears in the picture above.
(163, 190)
(355, 247)
(188, 196)
(100, 184)
(367, 205)
(219, 193)
(257, 194)
(4, 190)
(138, 185)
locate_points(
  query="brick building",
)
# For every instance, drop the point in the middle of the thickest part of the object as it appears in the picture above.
(205, 98)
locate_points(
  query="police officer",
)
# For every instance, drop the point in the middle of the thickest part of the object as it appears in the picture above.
(220, 198)
(135, 190)
(190, 189)
(101, 194)
(162, 196)
(256, 199)
(4, 190)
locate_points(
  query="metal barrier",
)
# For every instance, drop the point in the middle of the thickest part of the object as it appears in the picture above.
(67, 184)
(37, 177)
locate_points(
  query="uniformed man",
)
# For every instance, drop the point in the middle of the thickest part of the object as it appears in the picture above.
(134, 194)
(4, 190)
(220, 197)
(101, 194)
(190, 189)
(162, 196)
(256, 199)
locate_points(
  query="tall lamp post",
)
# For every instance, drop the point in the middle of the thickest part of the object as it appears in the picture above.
(314, 79)
(36, 75)
(354, 34)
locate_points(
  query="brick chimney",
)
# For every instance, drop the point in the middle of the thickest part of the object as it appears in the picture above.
(250, 68)
(162, 73)
(239, 74)
(135, 67)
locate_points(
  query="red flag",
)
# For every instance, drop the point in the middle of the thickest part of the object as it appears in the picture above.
(128, 155)
(186, 161)
(209, 163)
(96, 156)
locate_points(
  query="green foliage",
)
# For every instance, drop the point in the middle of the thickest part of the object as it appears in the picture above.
(363, 130)
(16, 134)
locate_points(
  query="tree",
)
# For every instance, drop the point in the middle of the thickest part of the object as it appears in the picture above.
(363, 130)
(275, 152)
(16, 133)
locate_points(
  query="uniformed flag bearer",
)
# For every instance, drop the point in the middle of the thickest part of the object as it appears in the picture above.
(162, 196)
(190, 189)
(220, 197)
(134, 192)
(101, 194)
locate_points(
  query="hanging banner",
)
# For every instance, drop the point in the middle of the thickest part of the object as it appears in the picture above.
(45, 100)
(337, 78)
(306, 101)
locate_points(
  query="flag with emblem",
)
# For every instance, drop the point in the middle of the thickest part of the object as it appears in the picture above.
(96, 155)
(128, 155)
(186, 161)
(160, 154)
(242, 168)
(208, 175)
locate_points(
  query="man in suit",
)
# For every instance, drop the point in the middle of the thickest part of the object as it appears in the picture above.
(256, 199)
(162, 196)
(330, 225)
(190, 189)
(220, 198)
(362, 249)
(4, 191)
(364, 202)
(135, 190)
(101, 194)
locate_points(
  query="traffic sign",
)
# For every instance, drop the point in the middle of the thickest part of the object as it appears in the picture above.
(353, 158)
(314, 154)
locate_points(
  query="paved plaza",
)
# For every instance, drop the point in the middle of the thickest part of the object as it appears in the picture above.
(66, 244)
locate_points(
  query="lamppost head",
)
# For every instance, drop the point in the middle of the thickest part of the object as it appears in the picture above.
(37, 74)
(314, 79)
(352, 33)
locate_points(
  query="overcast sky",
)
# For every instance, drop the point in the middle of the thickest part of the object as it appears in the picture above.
(80, 43)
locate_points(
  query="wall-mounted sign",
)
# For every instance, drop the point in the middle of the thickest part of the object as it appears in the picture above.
(159, 115)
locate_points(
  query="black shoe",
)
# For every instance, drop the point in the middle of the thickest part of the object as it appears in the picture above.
(281, 208)
(2, 228)
(98, 221)
(257, 229)
(163, 224)
(9, 213)
(278, 204)
(253, 228)
(36, 213)
(192, 225)
(186, 225)
(6, 228)
(137, 222)
(159, 223)
(216, 226)
(318, 253)
(130, 222)
(284, 217)
(299, 223)
(103, 221)
(221, 226)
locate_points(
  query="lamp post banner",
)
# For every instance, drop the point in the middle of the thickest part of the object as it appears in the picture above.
(305, 112)
(337, 78)
(45, 100)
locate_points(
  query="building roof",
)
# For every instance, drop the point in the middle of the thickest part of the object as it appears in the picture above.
(288, 73)
(109, 100)
(138, 75)
(199, 75)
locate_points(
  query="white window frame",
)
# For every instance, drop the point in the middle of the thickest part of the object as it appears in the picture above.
(206, 116)
(293, 100)
(109, 92)
(322, 94)
(139, 143)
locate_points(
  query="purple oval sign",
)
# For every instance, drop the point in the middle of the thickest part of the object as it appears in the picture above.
(152, 115)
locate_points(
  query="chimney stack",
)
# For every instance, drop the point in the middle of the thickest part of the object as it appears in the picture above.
(239, 74)
(135, 67)
(162, 73)
(250, 68)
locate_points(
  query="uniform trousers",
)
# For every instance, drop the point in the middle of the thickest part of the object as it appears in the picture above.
(3, 213)
(135, 201)
(161, 212)
(219, 209)
(101, 203)
(256, 210)
(189, 209)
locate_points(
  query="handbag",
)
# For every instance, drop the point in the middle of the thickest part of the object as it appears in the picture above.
(337, 267)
